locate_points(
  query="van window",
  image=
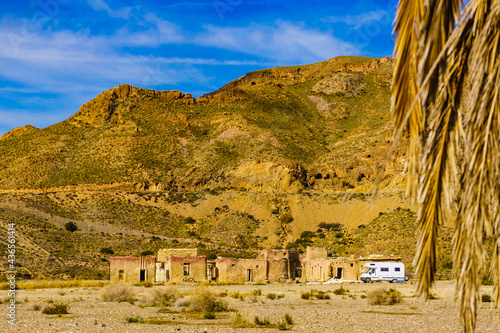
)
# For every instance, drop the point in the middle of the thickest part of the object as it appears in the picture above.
(397, 269)
(384, 269)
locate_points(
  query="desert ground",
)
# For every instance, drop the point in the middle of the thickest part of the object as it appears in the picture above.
(350, 312)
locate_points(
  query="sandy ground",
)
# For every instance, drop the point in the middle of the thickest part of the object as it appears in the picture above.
(347, 313)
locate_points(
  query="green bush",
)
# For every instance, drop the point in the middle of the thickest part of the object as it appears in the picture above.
(189, 220)
(71, 227)
(135, 320)
(106, 250)
(485, 298)
(146, 253)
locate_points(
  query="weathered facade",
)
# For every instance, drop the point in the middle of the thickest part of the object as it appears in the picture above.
(132, 269)
(318, 266)
(180, 265)
(270, 266)
(184, 265)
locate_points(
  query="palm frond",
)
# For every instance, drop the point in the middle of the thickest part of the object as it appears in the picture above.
(481, 173)
(409, 120)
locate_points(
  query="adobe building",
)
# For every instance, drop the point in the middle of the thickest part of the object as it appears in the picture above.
(132, 269)
(318, 266)
(180, 265)
(270, 266)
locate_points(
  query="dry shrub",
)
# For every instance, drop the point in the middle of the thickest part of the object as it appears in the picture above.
(162, 297)
(382, 296)
(206, 301)
(306, 295)
(341, 291)
(118, 293)
(37, 307)
(57, 309)
(183, 303)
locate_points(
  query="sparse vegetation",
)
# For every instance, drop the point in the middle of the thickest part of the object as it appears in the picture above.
(71, 227)
(56, 309)
(162, 296)
(485, 298)
(341, 291)
(206, 301)
(118, 293)
(383, 296)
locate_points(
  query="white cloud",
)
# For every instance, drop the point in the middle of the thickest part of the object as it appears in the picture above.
(358, 21)
(99, 5)
(284, 42)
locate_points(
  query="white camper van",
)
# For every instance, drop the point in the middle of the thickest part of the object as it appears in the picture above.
(384, 271)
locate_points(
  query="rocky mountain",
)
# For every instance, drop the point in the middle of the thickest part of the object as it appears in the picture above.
(254, 164)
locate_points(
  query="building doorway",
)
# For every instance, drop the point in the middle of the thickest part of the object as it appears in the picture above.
(339, 272)
(142, 276)
(249, 275)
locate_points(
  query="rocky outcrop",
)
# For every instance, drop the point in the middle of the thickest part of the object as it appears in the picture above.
(113, 104)
(19, 131)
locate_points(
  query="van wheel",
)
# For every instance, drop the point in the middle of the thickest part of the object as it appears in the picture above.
(368, 280)
(394, 281)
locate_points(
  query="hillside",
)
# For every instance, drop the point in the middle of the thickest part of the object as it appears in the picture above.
(254, 164)
(323, 126)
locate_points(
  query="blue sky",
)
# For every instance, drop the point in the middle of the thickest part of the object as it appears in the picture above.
(58, 54)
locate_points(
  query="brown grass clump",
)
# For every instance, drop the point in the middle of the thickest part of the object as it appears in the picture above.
(162, 297)
(57, 309)
(118, 293)
(306, 295)
(382, 296)
(206, 301)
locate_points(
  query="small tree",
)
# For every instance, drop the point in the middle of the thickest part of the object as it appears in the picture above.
(71, 227)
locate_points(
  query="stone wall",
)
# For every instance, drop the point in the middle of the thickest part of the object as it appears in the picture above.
(241, 270)
(132, 269)
(186, 268)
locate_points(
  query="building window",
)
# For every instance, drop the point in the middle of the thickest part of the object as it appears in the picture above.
(397, 269)
(352, 265)
(187, 269)
(384, 269)
(121, 274)
(257, 266)
(298, 273)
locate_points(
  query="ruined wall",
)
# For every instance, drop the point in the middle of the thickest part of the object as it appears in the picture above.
(279, 254)
(237, 270)
(316, 252)
(164, 253)
(197, 270)
(349, 269)
(128, 269)
(278, 270)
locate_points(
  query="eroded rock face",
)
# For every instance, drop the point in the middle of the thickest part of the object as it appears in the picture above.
(268, 176)
(18, 131)
(111, 105)
(348, 84)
